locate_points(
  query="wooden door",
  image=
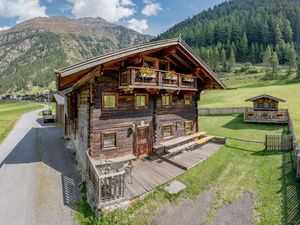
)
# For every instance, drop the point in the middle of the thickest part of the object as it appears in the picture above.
(143, 141)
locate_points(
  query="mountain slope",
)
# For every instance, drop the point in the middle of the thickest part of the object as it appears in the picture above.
(244, 27)
(32, 50)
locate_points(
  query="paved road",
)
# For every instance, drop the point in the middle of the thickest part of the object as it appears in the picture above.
(38, 175)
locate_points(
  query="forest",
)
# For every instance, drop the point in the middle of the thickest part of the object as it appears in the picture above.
(255, 31)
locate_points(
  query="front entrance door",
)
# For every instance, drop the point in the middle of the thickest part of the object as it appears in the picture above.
(143, 141)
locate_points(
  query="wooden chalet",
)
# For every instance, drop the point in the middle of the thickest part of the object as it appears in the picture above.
(266, 110)
(122, 105)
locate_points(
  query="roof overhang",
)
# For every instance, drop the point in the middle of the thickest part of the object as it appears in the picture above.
(70, 75)
(264, 96)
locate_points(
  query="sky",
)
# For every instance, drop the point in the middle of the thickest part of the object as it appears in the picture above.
(145, 16)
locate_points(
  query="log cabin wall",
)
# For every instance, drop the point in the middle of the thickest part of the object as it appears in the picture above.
(77, 123)
(119, 121)
(83, 122)
(176, 115)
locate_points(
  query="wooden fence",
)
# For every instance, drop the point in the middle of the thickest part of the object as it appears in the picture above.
(220, 111)
(295, 148)
(278, 142)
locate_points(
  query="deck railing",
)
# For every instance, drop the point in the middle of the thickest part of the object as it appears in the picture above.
(104, 189)
(157, 79)
(279, 116)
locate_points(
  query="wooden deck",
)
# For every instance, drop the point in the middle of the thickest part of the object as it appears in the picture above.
(192, 158)
(149, 174)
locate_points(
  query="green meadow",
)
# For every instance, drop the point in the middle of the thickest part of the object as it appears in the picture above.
(10, 112)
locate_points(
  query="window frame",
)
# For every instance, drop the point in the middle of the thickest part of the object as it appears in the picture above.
(171, 131)
(190, 98)
(170, 100)
(116, 95)
(135, 100)
(102, 141)
(185, 127)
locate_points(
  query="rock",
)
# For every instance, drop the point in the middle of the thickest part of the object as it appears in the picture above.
(175, 187)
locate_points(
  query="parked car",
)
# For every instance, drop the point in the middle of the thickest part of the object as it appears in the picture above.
(47, 116)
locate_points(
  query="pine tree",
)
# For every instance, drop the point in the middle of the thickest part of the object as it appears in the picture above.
(274, 64)
(287, 31)
(267, 61)
(231, 59)
(244, 48)
(292, 57)
(223, 60)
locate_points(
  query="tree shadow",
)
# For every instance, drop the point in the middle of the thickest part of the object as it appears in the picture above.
(45, 145)
(290, 191)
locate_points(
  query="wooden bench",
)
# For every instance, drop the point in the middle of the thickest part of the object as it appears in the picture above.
(204, 140)
(181, 139)
(196, 135)
(181, 148)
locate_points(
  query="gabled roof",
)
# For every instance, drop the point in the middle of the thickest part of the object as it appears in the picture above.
(264, 96)
(60, 99)
(88, 65)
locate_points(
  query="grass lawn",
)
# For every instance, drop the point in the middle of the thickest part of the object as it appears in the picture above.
(10, 111)
(228, 98)
(237, 168)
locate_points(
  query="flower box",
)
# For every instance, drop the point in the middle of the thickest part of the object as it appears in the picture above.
(171, 75)
(145, 75)
(188, 79)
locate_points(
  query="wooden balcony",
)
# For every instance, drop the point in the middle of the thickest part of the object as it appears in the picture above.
(132, 77)
(266, 116)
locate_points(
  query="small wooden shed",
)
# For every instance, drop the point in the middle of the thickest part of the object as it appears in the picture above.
(265, 110)
(60, 101)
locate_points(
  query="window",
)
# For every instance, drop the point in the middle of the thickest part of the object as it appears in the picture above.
(109, 101)
(148, 64)
(163, 66)
(141, 100)
(188, 126)
(166, 99)
(188, 100)
(167, 131)
(109, 140)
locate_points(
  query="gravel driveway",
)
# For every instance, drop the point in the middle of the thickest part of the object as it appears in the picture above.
(38, 176)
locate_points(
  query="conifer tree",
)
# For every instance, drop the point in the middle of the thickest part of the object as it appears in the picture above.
(274, 65)
(231, 59)
(267, 61)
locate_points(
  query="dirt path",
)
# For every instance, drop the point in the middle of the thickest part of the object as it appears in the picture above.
(187, 212)
(236, 213)
(195, 212)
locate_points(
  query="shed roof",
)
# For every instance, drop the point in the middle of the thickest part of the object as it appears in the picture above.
(90, 64)
(264, 96)
(60, 99)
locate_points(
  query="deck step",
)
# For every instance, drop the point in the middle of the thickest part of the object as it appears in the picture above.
(204, 140)
(181, 147)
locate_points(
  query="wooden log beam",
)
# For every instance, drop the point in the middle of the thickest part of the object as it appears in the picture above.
(181, 60)
(168, 51)
(171, 61)
(87, 77)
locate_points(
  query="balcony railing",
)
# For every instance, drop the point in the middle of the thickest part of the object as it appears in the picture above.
(133, 77)
(266, 116)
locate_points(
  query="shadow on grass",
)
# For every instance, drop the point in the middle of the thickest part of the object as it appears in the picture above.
(290, 191)
(238, 124)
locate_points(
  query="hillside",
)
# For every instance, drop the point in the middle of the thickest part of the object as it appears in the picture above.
(32, 50)
(241, 30)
